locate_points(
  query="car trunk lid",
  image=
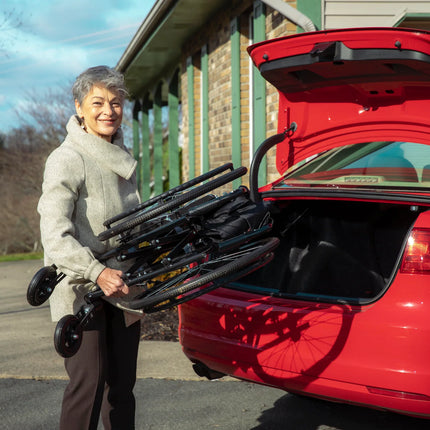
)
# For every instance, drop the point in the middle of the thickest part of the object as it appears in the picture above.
(343, 87)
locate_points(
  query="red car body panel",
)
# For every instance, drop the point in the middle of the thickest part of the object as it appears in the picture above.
(319, 348)
(374, 354)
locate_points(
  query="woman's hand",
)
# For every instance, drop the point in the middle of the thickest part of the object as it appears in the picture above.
(111, 283)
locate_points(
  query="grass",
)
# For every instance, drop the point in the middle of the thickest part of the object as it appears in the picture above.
(22, 256)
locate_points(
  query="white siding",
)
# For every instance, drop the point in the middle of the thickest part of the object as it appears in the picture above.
(369, 13)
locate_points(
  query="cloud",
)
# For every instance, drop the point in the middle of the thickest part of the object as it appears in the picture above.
(57, 40)
(35, 49)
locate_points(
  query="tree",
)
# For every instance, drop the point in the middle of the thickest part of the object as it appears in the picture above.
(23, 152)
(47, 112)
(9, 20)
(21, 173)
(41, 127)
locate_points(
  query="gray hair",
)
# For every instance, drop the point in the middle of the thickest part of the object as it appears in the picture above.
(104, 75)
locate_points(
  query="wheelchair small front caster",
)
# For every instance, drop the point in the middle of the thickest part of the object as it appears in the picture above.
(68, 336)
(39, 290)
(42, 285)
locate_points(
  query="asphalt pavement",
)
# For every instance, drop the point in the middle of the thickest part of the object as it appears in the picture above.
(169, 394)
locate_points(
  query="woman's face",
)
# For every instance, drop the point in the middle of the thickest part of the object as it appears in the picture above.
(101, 111)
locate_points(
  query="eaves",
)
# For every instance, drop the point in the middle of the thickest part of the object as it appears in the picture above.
(157, 45)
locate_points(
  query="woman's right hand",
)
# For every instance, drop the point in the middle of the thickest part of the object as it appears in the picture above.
(111, 283)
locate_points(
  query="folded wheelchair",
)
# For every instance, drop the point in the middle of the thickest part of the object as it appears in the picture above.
(180, 244)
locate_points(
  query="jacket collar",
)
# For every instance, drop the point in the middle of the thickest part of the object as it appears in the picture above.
(112, 155)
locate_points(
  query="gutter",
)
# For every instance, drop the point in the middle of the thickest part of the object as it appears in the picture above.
(145, 31)
(292, 14)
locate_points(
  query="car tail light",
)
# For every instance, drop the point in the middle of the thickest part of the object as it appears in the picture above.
(416, 258)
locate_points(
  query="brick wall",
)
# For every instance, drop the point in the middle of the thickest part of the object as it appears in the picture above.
(216, 34)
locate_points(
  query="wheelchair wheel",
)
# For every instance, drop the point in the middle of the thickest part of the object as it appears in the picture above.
(68, 336)
(41, 285)
(175, 301)
(170, 238)
(171, 228)
(220, 268)
(172, 204)
(165, 269)
(168, 195)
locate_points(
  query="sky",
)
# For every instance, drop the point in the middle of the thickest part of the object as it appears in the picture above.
(45, 44)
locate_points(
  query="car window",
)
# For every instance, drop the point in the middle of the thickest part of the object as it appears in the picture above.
(369, 164)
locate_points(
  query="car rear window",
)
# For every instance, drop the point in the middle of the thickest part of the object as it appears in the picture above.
(368, 164)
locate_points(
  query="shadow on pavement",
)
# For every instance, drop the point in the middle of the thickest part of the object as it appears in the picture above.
(302, 413)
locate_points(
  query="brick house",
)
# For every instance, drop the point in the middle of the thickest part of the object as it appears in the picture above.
(187, 67)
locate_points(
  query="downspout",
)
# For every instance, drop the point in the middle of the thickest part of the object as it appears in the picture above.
(292, 14)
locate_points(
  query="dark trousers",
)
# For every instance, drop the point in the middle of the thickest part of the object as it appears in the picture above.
(102, 374)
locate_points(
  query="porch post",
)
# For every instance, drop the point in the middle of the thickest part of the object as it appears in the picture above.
(158, 142)
(236, 153)
(191, 123)
(205, 110)
(173, 103)
(145, 186)
(136, 142)
(259, 90)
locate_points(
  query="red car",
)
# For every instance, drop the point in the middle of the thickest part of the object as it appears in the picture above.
(343, 310)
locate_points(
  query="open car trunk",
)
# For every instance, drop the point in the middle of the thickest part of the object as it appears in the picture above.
(335, 250)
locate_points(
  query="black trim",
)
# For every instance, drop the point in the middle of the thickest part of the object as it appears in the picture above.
(263, 291)
(347, 194)
(308, 71)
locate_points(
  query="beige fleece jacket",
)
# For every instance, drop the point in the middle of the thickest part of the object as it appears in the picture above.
(86, 181)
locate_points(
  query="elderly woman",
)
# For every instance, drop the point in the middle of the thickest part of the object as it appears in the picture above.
(89, 178)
